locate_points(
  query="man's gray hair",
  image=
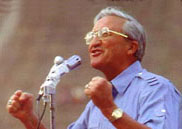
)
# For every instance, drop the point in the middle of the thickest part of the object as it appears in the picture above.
(131, 27)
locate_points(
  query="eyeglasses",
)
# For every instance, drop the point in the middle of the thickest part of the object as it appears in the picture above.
(102, 33)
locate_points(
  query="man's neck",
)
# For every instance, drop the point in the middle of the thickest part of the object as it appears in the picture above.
(111, 72)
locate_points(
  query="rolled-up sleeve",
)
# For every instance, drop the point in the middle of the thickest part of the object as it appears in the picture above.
(160, 106)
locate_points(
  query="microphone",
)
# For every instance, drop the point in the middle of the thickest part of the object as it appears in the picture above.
(59, 68)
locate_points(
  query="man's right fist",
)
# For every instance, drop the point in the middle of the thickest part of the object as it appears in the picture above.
(20, 105)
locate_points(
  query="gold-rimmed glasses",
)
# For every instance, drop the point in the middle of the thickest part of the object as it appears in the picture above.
(102, 33)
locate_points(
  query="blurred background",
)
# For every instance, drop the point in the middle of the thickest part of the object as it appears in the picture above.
(33, 32)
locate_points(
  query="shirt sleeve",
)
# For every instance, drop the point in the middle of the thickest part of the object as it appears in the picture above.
(82, 121)
(160, 106)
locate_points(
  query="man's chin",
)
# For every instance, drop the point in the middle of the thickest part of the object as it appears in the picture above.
(96, 65)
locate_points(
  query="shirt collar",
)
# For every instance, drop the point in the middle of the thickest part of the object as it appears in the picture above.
(122, 81)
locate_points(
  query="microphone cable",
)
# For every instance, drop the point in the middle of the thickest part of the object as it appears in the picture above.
(42, 115)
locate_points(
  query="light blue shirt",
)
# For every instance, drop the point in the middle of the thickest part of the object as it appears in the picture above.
(148, 98)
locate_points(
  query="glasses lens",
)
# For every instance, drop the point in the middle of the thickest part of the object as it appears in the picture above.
(104, 32)
(88, 38)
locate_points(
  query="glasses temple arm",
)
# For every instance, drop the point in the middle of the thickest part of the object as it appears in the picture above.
(126, 36)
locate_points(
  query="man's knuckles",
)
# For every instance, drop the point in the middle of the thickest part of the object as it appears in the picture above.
(26, 97)
(98, 82)
(96, 78)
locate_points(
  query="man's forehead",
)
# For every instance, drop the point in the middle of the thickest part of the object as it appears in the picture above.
(112, 22)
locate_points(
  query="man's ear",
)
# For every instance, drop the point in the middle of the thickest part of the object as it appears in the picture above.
(133, 48)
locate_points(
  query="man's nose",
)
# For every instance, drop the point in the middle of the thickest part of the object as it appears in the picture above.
(96, 41)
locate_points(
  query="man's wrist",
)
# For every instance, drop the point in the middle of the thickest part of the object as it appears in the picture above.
(116, 114)
(112, 113)
(30, 121)
(107, 111)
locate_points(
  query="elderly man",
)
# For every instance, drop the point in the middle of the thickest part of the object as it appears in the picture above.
(129, 97)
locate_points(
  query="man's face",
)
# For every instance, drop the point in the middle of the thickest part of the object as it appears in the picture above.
(110, 52)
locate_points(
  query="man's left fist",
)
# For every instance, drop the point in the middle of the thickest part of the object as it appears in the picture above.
(100, 91)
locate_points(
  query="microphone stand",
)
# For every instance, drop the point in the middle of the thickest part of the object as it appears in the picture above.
(49, 96)
(48, 88)
(52, 112)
